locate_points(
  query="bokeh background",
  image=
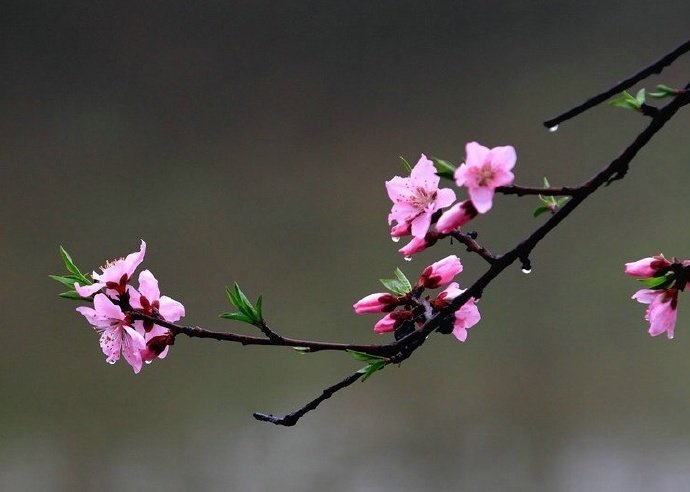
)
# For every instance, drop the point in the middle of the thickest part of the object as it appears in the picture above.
(249, 142)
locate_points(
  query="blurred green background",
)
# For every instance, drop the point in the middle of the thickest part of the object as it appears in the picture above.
(249, 142)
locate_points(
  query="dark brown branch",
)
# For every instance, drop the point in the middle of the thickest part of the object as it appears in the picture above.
(654, 68)
(524, 190)
(292, 418)
(310, 345)
(473, 246)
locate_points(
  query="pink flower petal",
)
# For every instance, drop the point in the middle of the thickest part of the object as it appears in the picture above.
(504, 157)
(88, 290)
(170, 309)
(482, 198)
(475, 154)
(148, 286)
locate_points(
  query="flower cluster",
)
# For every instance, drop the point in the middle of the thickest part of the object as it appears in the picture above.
(415, 310)
(114, 298)
(418, 200)
(664, 280)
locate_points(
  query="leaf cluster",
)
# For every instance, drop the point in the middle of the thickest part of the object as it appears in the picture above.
(75, 276)
(248, 312)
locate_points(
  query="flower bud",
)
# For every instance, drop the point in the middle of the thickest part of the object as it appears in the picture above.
(381, 302)
(647, 267)
(441, 272)
(456, 216)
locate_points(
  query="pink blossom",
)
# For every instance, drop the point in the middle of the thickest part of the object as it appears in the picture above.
(416, 245)
(149, 301)
(456, 216)
(441, 272)
(416, 198)
(647, 267)
(662, 311)
(485, 170)
(115, 275)
(117, 334)
(466, 316)
(380, 302)
(385, 324)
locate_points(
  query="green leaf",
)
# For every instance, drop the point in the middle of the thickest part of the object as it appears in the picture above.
(66, 280)
(640, 97)
(562, 200)
(406, 165)
(245, 302)
(394, 286)
(404, 282)
(663, 91)
(656, 281)
(69, 264)
(363, 356)
(444, 168)
(369, 370)
(259, 302)
(627, 101)
(73, 294)
(540, 210)
(302, 350)
(546, 183)
(237, 317)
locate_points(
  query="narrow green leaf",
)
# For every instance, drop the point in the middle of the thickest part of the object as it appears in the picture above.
(259, 302)
(69, 264)
(640, 97)
(656, 281)
(663, 91)
(626, 100)
(363, 356)
(404, 282)
(444, 168)
(66, 280)
(246, 304)
(369, 370)
(546, 183)
(72, 294)
(540, 210)
(237, 317)
(302, 350)
(562, 200)
(406, 165)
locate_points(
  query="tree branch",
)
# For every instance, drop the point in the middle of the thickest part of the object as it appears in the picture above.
(654, 68)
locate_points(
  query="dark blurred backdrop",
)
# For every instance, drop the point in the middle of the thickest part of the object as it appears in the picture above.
(249, 142)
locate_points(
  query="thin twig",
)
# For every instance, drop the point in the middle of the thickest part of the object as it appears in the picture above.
(292, 418)
(655, 67)
(525, 190)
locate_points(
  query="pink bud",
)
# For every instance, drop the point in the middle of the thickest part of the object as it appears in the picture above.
(441, 272)
(401, 229)
(380, 302)
(647, 267)
(385, 324)
(456, 216)
(417, 245)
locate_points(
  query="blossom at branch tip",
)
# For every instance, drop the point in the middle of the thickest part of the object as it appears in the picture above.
(662, 311)
(440, 272)
(148, 300)
(483, 171)
(456, 216)
(466, 316)
(115, 275)
(647, 267)
(416, 198)
(380, 302)
(117, 335)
